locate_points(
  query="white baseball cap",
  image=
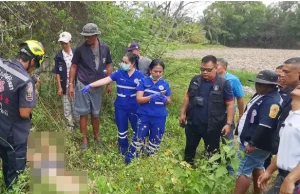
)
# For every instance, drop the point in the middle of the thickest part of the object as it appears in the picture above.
(65, 37)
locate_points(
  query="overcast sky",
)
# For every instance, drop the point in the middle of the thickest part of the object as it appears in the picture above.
(197, 10)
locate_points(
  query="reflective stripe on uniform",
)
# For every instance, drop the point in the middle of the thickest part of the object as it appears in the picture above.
(126, 87)
(13, 71)
(152, 91)
(159, 103)
(123, 95)
(123, 133)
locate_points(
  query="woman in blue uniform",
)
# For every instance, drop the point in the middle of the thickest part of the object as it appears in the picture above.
(153, 94)
(127, 78)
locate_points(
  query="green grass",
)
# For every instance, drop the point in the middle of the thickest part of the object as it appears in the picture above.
(105, 166)
(244, 76)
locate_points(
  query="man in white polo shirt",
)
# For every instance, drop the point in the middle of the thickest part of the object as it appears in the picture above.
(287, 160)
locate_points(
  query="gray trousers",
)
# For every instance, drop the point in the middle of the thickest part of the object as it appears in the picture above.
(69, 110)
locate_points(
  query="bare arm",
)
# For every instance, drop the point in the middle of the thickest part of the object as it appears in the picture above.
(182, 117)
(230, 111)
(140, 97)
(169, 100)
(25, 112)
(273, 166)
(58, 80)
(185, 104)
(240, 104)
(72, 74)
(294, 176)
(109, 69)
(101, 82)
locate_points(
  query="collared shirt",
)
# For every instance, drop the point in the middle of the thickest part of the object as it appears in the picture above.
(126, 88)
(285, 94)
(263, 113)
(149, 87)
(289, 147)
(84, 58)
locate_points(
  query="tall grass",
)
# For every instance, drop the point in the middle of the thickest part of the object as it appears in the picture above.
(163, 173)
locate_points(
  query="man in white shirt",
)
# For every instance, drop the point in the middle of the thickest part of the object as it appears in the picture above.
(63, 62)
(287, 160)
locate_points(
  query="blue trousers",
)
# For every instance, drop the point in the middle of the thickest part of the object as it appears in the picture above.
(13, 159)
(147, 125)
(122, 116)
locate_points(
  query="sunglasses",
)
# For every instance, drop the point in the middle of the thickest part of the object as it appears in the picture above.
(206, 69)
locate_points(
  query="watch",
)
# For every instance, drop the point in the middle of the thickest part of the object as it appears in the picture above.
(251, 144)
(230, 124)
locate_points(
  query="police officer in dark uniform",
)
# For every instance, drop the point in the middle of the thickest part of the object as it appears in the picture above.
(290, 76)
(285, 93)
(255, 130)
(208, 98)
(17, 98)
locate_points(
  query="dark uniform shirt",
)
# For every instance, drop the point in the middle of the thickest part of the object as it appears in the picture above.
(61, 69)
(17, 90)
(84, 58)
(285, 94)
(201, 113)
(264, 112)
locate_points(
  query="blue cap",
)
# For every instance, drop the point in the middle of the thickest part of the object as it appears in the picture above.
(132, 46)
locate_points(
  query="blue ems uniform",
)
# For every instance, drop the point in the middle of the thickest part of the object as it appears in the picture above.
(152, 119)
(17, 90)
(126, 104)
(261, 111)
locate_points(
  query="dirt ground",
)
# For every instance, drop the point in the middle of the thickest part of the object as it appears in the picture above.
(250, 59)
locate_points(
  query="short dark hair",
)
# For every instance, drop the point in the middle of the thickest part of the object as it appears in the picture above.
(223, 61)
(293, 61)
(23, 57)
(279, 67)
(209, 58)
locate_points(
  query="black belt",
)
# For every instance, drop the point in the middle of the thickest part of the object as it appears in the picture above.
(283, 173)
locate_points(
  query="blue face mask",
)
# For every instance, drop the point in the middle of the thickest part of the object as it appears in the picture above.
(125, 67)
(153, 78)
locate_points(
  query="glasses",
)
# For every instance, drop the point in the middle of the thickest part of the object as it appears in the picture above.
(206, 69)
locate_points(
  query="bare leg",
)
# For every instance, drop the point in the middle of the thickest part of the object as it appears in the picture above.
(83, 128)
(256, 173)
(95, 124)
(242, 184)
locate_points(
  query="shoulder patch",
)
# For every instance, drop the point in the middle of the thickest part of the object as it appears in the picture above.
(29, 91)
(274, 111)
